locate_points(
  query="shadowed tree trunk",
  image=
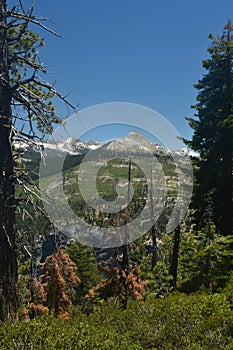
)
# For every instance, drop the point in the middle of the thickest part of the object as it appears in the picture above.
(153, 229)
(174, 260)
(125, 262)
(125, 248)
(8, 262)
(21, 86)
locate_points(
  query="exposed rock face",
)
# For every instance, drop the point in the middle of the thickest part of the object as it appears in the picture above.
(169, 163)
(134, 142)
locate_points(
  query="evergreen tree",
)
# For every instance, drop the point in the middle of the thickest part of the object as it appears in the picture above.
(25, 101)
(84, 257)
(206, 259)
(213, 134)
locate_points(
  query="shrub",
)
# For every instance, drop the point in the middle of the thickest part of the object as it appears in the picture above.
(119, 283)
(179, 322)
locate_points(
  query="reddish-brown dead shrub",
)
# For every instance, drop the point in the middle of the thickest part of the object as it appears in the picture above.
(34, 311)
(119, 283)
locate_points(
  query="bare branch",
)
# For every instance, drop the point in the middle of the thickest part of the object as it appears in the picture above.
(34, 65)
(51, 88)
(21, 5)
(33, 19)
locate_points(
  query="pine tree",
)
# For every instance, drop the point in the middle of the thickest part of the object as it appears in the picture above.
(25, 101)
(59, 281)
(206, 259)
(8, 264)
(213, 134)
(84, 257)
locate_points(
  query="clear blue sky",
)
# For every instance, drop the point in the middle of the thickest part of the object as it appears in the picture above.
(145, 52)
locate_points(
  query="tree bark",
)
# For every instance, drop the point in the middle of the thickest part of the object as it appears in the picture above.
(153, 228)
(125, 247)
(174, 260)
(8, 261)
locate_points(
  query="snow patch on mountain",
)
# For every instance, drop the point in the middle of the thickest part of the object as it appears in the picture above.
(133, 143)
(70, 146)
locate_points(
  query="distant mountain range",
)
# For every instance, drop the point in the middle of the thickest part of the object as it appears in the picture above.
(71, 146)
(171, 173)
(134, 142)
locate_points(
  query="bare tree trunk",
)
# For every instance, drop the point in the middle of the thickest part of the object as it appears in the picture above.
(153, 229)
(8, 262)
(125, 248)
(174, 260)
(154, 248)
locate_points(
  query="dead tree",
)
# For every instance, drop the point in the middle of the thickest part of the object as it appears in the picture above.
(174, 258)
(153, 228)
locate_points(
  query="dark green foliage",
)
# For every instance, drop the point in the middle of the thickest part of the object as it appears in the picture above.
(206, 259)
(213, 135)
(196, 322)
(159, 277)
(84, 258)
(25, 82)
(24, 267)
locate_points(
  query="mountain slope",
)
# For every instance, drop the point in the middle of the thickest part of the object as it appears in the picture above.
(156, 173)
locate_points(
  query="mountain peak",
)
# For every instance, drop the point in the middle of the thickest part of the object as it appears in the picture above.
(135, 136)
(133, 133)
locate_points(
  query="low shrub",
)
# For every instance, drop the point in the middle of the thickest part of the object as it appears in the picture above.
(194, 322)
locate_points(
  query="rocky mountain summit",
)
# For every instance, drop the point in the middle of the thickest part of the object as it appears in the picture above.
(134, 141)
(94, 185)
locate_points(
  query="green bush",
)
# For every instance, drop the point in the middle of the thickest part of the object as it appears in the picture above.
(194, 322)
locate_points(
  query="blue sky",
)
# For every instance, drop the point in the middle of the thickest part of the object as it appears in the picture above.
(145, 52)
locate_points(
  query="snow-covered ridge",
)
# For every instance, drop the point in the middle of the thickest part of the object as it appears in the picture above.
(131, 143)
(71, 146)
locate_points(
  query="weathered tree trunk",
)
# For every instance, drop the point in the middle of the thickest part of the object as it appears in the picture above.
(125, 248)
(174, 260)
(154, 248)
(8, 262)
(153, 229)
